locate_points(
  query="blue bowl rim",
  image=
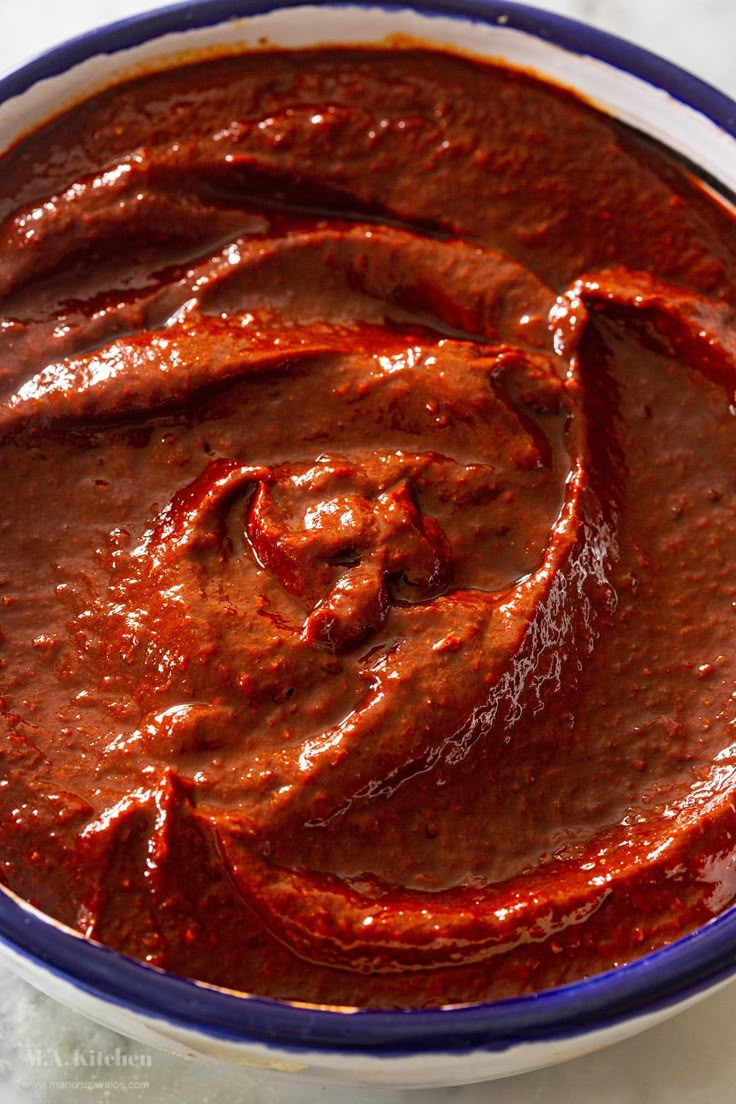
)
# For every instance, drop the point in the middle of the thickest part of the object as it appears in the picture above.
(645, 986)
(559, 30)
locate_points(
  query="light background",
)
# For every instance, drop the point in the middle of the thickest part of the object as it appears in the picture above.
(691, 1059)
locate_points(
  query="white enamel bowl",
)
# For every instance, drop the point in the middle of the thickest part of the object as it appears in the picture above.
(401, 1049)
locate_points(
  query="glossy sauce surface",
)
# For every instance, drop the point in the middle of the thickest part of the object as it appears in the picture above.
(367, 530)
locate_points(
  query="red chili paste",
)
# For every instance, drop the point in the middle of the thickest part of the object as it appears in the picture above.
(367, 529)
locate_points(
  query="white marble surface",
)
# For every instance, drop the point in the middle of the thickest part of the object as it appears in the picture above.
(689, 1060)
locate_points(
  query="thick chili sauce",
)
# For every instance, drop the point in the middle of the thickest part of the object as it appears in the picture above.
(367, 530)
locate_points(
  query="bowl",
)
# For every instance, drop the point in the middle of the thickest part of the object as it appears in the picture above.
(442, 1046)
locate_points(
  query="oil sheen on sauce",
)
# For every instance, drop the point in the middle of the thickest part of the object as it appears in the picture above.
(368, 529)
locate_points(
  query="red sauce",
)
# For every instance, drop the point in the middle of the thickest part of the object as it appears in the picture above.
(367, 530)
